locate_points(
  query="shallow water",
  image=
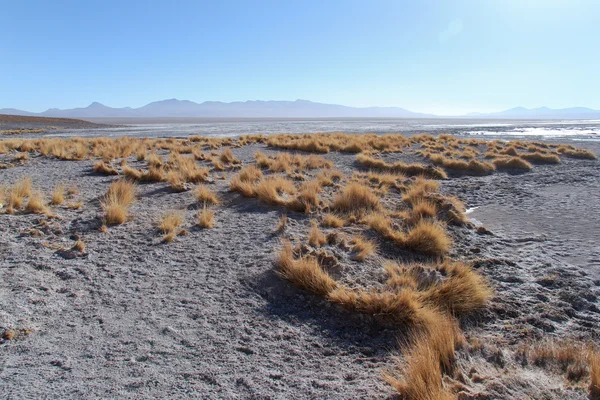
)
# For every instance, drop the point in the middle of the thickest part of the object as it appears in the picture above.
(582, 130)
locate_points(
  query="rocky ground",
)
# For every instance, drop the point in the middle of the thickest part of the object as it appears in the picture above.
(207, 317)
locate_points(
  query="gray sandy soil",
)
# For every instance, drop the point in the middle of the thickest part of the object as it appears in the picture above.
(207, 317)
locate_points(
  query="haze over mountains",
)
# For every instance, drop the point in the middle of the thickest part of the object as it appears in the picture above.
(174, 108)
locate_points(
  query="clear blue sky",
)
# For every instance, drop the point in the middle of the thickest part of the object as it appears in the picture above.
(433, 56)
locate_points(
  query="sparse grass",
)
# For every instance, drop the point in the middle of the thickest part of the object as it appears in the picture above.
(206, 218)
(132, 173)
(594, 366)
(400, 167)
(204, 195)
(250, 174)
(304, 272)
(571, 151)
(118, 199)
(541, 158)
(58, 195)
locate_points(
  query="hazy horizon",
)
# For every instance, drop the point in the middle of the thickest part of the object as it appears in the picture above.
(438, 57)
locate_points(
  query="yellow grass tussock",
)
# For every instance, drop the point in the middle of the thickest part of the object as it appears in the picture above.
(118, 199)
(204, 195)
(206, 218)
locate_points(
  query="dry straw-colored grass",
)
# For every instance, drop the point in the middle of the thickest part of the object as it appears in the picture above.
(204, 194)
(356, 199)
(332, 221)
(316, 238)
(206, 218)
(118, 199)
(304, 272)
(79, 246)
(401, 168)
(281, 223)
(101, 167)
(36, 203)
(512, 163)
(58, 195)
(362, 248)
(169, 223)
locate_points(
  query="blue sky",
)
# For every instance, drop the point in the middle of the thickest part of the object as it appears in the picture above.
(447, 57)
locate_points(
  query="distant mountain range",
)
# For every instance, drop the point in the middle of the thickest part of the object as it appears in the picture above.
(174, 108)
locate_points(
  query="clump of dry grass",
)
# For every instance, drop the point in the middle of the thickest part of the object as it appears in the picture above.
(541, 158)
(362, 248)
(431, 354)
(203, 194)
(304, 272)
(400, 167)
(423, 208)
(514, 163)
(101, 167)
(274, 190)
(206, 218)
(79, 246)
(473, 167)
(58, 195)
(281, 223)
(332, 221)
(36, 204)
(571, 151)
(316, 238)
(426, 237)
(132, 173)
(118, 199)
(250, 174)
(463, 291)
(594, 366)
(356, 199)
(168, 225)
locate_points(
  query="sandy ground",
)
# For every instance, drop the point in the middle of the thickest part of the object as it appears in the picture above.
(206, 316)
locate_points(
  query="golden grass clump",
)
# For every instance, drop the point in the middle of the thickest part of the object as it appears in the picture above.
(362, 248)
(423, 208)
(514, 163)
(472, 166)
(250, 174)
(431, 354)
(272, 190)
(118, 199)
(419, 189)
(58, 195)
(400, 167)
(541, 158)
(154, 174)
(304, 272)
(281, 223)
(79, 246)
(332, 221)
(316, 238)
(206, 218)
(36, 204)
(132, 173)
(571, 151)
(203, 194)
(426, 237)
(168, 225)
(101, 167)
(463, 291)
(356, 198)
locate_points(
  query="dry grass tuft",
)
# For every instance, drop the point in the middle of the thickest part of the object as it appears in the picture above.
(204, 195)
(362, 248)
(170, 222)
(356, 198)
(426, 237)
(514, 163)
(58, 195)
(79, 246)
(316, 238)
(304, 272)
(101, 167)
(250, 174)
(281, 224)
(206, 218)
(118, 199)
(594, 366)
(36, 204)
(332, 221)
